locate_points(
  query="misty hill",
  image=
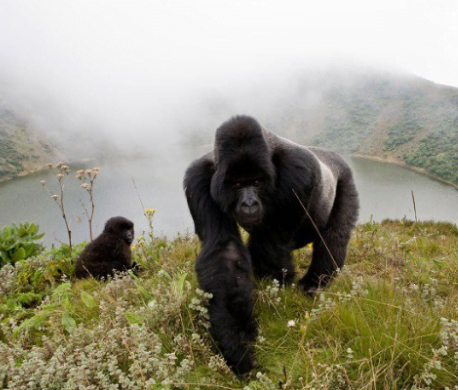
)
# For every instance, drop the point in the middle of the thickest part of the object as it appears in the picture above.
(401, 118)
(21, 149)
(398, 117)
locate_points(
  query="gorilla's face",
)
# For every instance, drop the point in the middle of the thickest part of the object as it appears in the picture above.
(244, 190)
(121, 227)
(248, 209)
(246, 196)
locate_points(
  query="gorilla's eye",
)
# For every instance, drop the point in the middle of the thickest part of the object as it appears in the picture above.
(237, 186)
(256, 183)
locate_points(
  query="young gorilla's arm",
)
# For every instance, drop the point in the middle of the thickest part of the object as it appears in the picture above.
(223, 269)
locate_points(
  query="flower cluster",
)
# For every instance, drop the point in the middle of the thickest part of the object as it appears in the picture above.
(199, 306)
(272, 292)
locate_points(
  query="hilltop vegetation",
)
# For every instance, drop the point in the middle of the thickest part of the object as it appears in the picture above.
(21, 149)
(389, 320)
(406, 119)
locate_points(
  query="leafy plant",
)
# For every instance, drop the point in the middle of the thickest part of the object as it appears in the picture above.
(19, 242)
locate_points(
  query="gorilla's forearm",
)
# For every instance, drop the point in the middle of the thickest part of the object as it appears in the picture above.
(224, 270)
(210, 222)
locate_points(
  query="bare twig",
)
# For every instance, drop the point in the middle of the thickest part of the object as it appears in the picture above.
(88, 178)
(60, 172)
(148, 213)
(316, 228)
(414, 206)
(138, 194)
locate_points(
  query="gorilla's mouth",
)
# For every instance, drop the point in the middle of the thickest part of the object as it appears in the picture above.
(248, 217)
(248, 221)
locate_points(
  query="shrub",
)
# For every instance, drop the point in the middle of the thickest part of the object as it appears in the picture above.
(19, 242)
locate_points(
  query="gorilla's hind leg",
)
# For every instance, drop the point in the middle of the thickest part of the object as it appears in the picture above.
(330, 249)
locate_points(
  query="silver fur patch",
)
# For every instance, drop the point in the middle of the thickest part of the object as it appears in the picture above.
(328, 191)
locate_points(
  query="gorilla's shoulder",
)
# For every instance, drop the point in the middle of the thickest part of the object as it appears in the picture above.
(333, 160)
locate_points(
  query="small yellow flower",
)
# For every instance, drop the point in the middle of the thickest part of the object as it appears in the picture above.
(133, 246)
(310, 246)
(141, 238)
(150, 211)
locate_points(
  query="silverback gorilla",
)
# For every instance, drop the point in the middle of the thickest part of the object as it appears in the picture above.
(285, 196)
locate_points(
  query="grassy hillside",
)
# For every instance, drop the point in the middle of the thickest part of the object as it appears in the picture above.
(21, 150)
(389, 321)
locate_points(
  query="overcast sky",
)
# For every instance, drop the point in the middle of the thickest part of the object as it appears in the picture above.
(92, 57)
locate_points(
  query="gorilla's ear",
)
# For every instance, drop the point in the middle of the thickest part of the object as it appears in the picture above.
(108, 228)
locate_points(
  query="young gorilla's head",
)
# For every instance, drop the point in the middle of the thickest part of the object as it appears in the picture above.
(245, 175)
(120, 227)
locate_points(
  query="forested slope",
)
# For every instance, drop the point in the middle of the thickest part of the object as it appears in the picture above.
(21, 149)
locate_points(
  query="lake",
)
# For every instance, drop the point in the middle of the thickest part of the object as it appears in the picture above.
(385, 192)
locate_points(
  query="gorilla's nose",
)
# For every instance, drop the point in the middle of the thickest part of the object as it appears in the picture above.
(250, 206)
(249, 202)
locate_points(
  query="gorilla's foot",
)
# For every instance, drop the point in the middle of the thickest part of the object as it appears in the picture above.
(308, 286)
(247, 364)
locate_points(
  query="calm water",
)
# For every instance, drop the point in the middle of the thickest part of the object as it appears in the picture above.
(385, 192)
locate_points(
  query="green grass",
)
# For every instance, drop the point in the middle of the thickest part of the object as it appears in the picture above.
(388, 321)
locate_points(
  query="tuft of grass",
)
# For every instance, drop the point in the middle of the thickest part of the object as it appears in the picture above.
(388, 321)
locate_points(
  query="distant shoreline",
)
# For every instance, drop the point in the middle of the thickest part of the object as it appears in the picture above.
(40, 169)
(402, 164)
(387, 160)
(23, 173)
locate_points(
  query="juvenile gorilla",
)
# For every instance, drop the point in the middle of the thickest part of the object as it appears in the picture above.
(286, 196)
(109, 252)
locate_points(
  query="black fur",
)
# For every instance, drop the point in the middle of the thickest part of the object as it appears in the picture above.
(109, 252)
(251, 178)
